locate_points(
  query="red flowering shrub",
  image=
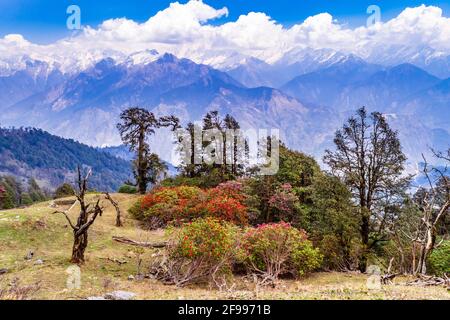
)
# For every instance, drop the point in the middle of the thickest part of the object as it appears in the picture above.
(227, 209)
(176, 205)
(284, 203)
(272, 250)
(199, 251)
(232, 189)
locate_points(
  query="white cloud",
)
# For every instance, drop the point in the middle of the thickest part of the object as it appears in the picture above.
(186, 31)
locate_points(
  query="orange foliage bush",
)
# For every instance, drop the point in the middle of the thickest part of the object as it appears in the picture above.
(177, 205)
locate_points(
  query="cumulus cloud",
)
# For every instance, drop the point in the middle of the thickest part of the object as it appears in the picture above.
(186, 30)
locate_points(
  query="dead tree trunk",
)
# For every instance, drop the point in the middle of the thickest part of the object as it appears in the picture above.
(116, 206)
(79, 246)
(435, 205)
(428, 243)
(85, 220)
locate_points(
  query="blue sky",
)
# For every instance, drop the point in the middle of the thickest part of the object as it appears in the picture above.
(44, 21)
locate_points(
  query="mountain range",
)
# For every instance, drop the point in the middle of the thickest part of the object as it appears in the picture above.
(306, 94)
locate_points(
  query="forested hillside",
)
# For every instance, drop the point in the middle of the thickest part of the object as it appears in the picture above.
(52, 160)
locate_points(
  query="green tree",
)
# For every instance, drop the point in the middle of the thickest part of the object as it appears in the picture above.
(228, 149)
(136, 126)
(302, 194)
(439, 261)
(369, 159)
(26, 199)
(13, 190)
(297, 170)
(215, 149)
(35, 191)
(7, 200)
(332, 222)
(2, 194)
(16, 187)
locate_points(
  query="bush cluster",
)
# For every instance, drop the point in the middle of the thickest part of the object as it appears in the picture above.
(64, 190)
(201, 251)
(128, 189)
(439, 262)
(275, 249)
(208, 248)
(212, 234)
(177, 205)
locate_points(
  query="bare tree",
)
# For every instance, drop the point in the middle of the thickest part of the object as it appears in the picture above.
(370, 161)
(403, 230)
(116, 206)
(88, 215)
(434, 203)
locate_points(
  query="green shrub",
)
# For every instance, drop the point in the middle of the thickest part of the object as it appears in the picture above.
(339, 253)
(26, 199)
(127, 189)
(305, 258)
(136, 210)
(65, 190)
(439, 261)
(210, 238)
(200, 251)
(272, 250)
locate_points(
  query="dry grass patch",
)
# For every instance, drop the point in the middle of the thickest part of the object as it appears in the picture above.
(109, 264)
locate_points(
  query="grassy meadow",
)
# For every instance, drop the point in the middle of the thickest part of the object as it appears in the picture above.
(110, 264)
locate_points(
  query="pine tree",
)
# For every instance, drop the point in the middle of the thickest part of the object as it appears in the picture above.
(35, 191)
(136, 126)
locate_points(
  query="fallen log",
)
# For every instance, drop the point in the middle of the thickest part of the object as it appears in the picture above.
(114, 260)
(430, 281)
(156, 245)
(388, 278)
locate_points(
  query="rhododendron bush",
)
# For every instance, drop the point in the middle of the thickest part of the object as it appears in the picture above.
(271, 250)
(284, 204)
(177, 205)
(211, 234)
(200, 251)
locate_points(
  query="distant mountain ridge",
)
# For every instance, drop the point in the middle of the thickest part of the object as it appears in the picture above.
(416, 102)
(307, 109)
(354, 81)
(36, 77)
(93, 99)
(253, 72)
(52, 160)
(325, 85)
